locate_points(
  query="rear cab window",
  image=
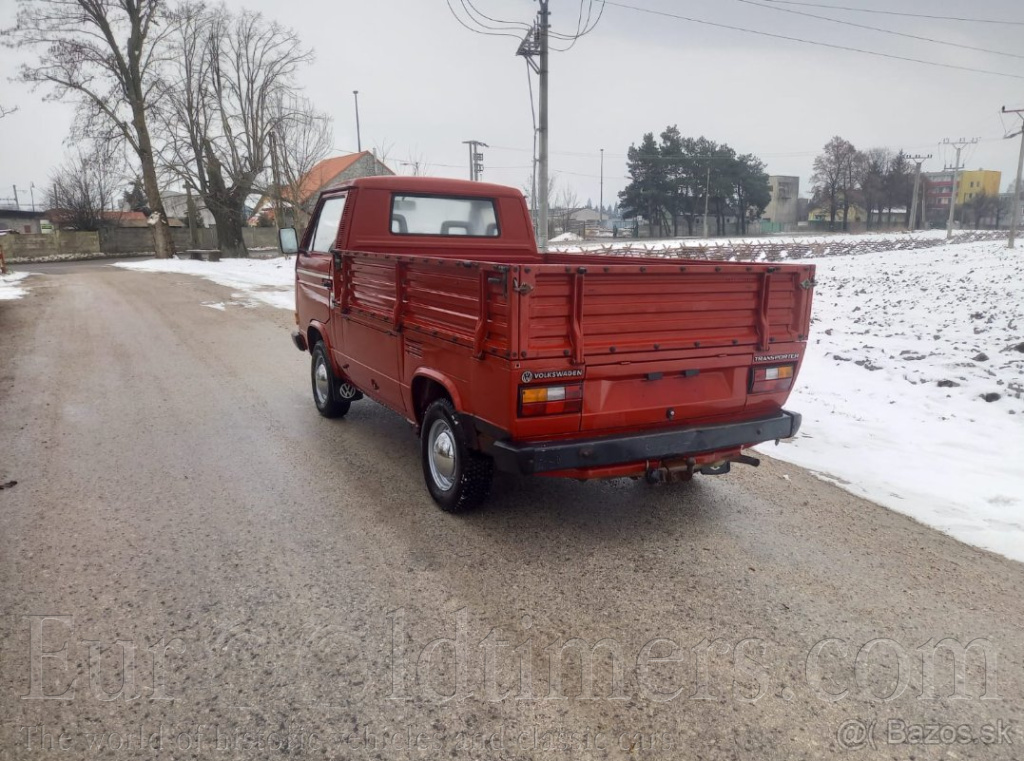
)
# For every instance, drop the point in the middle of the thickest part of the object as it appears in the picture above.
(327, 224)
(447, 216)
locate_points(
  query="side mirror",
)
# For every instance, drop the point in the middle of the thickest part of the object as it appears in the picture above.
(288, 240)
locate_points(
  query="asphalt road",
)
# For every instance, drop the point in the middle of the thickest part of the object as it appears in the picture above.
(194, 564)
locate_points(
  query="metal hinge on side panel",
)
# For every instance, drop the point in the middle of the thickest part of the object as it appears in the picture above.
(521, 289)
(808, 283)
(502, 280)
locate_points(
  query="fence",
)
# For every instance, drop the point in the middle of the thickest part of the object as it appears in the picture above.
(118, 241)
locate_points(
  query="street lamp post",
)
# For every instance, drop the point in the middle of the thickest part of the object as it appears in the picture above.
(359, 139)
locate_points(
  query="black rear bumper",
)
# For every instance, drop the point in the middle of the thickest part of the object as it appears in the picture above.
(570, 454)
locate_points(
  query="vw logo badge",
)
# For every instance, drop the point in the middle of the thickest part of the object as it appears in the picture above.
(527, 377)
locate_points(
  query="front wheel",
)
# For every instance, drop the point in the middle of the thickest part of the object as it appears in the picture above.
(458, 478)
(329, 402)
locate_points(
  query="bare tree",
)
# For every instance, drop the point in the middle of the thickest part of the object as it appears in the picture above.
(417, 164)
(567, 205)
(302, 138)
(84, 190)
(382, 152)
(834, 178)
(528, 192)
(984, 208)
(106, 54)
(231, 72)
(872, 170)
(6, 111)
(899, 184)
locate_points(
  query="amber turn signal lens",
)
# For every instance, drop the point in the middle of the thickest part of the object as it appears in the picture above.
(550, 400)
(766, 380)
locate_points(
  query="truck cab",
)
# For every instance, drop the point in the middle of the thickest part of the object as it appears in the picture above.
(429, 296)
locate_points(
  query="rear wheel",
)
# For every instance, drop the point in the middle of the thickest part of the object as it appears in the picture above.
(458, 478)
(329, 402)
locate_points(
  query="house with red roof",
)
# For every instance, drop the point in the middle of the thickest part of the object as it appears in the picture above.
(329, 173)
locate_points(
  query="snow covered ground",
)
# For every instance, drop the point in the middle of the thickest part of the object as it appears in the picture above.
(905, 347)
(9, 288)
(904, 350)
(270, 281)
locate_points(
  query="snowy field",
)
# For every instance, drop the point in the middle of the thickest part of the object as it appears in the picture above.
(911, 390)
(9, 287)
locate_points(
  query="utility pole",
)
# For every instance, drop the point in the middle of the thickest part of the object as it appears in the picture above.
(917, 189)
(16, 204)
(535, 46)
(600, 211)
(959, 145)
(359, 138)
(542, 127)
(1017, 198)
(476, 159)
(707, 200)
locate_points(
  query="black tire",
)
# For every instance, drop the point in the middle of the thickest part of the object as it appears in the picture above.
(325, 385)
(461, 480)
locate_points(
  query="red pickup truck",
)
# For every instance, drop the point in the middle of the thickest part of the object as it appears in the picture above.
(430, 297)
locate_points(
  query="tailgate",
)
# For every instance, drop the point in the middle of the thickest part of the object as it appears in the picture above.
(665, 343)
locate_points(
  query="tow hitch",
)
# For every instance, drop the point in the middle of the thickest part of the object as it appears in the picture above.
(675, 471)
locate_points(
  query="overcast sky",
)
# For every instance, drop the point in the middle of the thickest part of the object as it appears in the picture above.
(426, 84)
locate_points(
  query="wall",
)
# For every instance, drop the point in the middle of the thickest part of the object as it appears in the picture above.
(119, 241)
(42, 246)
(206, 238)
(784, 206)
(13, 220)
(367, 166)
(975, 182)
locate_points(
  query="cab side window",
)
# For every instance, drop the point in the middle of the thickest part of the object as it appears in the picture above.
(327, 224)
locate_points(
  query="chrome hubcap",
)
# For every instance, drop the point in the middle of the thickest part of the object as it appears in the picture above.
(441, 454)
(321, 382)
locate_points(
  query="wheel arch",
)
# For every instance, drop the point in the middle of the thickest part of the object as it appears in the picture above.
(429, 385)
(317, 331)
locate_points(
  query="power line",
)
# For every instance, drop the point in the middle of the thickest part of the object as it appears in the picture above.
(478, 29)
(1001, 22)
(878, 29)
(811, 42)
(517, 28)
(509, 25)
(587, 27)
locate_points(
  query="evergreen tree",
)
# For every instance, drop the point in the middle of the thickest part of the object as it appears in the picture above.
(646, 194)
(134, 197)
(677, 179)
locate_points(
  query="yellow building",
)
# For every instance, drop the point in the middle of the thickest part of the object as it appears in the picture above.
(976, 183)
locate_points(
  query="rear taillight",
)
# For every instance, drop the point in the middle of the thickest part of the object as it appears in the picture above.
(773, 378)
(550, 400)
